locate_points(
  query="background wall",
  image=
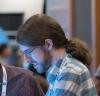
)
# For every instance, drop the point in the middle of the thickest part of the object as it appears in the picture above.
(83, 18)
(84, 25)
(25, 7)
(28, 7)
(97, 33)
(60, 10)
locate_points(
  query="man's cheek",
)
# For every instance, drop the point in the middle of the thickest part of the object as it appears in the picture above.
(28, 58)
(35, 57)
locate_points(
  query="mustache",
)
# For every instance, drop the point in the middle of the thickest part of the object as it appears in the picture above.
(32, 62)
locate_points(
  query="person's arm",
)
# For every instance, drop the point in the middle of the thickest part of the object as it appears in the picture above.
(97, 80)
(97, 83)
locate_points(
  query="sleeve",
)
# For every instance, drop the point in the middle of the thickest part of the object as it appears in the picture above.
(67, 84)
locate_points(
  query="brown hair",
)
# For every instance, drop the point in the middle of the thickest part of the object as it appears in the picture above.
(79, 50)
(40, 27)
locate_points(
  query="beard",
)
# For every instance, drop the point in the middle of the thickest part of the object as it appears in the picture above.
(43, 65)
(47, 59)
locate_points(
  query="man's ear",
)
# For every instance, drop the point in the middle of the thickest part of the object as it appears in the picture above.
(48, 44)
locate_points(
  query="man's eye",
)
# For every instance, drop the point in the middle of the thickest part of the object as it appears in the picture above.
(27, 52)
(21, 52)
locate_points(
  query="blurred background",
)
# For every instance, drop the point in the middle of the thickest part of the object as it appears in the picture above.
(79, 18)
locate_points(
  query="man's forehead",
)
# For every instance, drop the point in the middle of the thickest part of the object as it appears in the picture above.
(22, 47)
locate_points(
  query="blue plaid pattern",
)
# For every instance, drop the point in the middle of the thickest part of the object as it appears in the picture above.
(69, 77)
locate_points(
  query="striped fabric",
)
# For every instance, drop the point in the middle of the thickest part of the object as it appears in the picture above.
(69, 77)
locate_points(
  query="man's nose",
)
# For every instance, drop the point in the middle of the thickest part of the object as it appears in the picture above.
(28, 59)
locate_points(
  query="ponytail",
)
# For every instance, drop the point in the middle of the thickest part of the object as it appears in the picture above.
(79, 50)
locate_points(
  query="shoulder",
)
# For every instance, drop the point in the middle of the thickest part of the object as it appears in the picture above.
(80, 69)
(74, 66)
(74, 70)
(14, 72)
(73, 73)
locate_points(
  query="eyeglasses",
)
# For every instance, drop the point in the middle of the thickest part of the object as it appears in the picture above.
(29, 51)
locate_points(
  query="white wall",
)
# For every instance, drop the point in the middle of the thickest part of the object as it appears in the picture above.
(60, 10)
(28, 7)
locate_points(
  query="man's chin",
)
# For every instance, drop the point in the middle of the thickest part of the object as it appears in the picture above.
(40, 71)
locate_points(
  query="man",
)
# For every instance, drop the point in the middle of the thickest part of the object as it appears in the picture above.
(44, 44)
(15, 81)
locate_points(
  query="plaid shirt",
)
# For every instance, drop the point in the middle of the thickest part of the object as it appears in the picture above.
(70, 77)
